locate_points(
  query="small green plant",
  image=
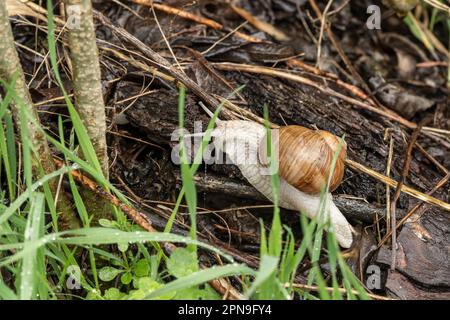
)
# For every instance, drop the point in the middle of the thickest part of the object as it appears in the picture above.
(139, 278)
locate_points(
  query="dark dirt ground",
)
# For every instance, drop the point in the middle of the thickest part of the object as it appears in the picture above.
(142, 110)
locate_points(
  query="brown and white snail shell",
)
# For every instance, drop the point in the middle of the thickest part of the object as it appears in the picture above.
(305, 157)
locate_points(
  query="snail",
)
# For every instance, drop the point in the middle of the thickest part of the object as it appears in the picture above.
(304, 162)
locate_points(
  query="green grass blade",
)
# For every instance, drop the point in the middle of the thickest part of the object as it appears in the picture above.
(199, 154)
(26, 148)
(6, 157)
(11, 143)
(186, 174)
(101, 236)
(25, 196)
(33, 230)
(267, 267)
(333, 251)
(6, 293)
(202, 276)
(276, 234)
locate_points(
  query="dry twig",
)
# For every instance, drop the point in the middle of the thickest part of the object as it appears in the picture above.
(261, 25)
(187, 15)
(403, 176)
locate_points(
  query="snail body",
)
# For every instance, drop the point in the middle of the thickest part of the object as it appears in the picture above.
(304, 157)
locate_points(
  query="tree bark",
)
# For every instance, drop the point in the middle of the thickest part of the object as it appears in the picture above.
(87, 76)
(88, 90)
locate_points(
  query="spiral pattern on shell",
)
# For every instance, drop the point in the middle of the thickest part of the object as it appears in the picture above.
(305, 157)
